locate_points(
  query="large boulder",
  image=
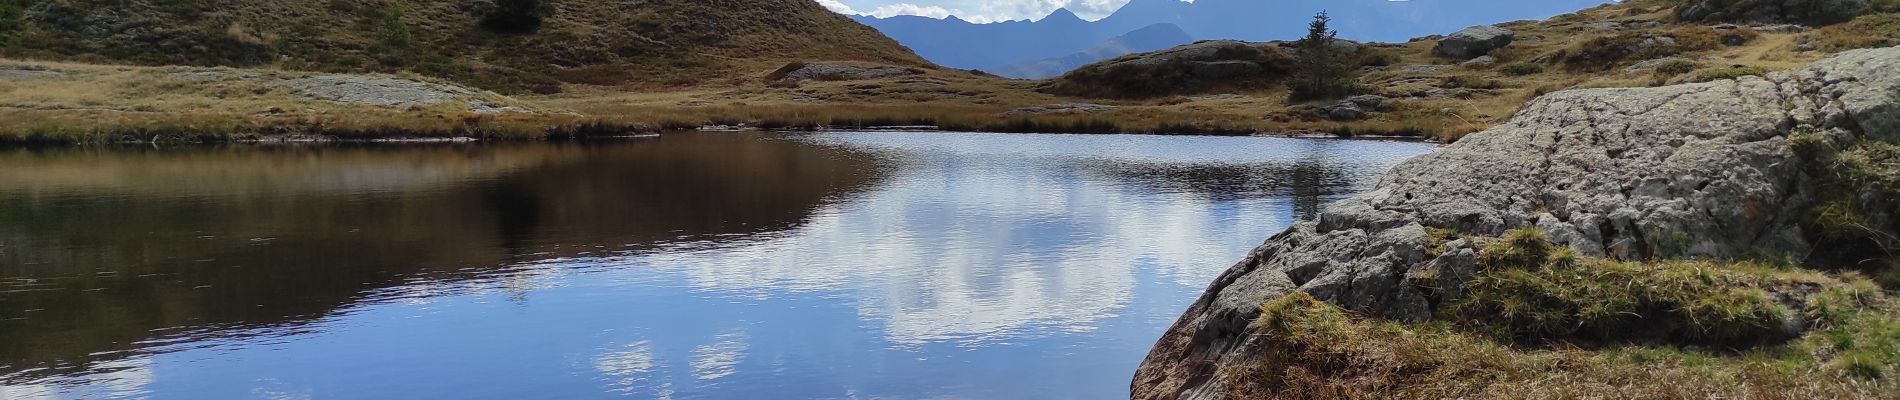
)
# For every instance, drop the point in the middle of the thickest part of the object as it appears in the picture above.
(1704, 170)
(1474, 42)
(1811, 12)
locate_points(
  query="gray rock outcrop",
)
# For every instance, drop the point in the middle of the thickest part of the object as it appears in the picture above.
(835, 71)
(375, 90)
(1189, 69)
(1482, 62)
(1059, 109)
(1474, 42)
(1811, 12)
(1693, 171)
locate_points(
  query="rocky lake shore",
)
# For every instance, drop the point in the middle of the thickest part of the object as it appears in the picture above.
(1716, 175)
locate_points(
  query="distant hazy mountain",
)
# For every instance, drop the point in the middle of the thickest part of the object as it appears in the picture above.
(957, 43)
(1151, 38)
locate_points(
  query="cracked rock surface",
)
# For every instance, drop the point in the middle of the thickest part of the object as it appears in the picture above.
(1691, 171)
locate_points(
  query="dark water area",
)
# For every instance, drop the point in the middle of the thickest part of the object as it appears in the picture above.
(703, 265)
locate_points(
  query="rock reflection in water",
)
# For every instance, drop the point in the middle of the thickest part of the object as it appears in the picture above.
(99, 249)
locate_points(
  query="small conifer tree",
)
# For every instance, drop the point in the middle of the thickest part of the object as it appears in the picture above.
(516, 16)
(1322, 70)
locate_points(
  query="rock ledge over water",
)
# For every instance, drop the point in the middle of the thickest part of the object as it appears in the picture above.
(1693, 171)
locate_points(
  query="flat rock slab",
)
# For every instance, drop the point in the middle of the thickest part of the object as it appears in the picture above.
(375, 90)
(26, 74)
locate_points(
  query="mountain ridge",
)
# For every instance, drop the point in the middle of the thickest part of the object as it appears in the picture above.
(953, 42)
(1151, 38)
(647, 43)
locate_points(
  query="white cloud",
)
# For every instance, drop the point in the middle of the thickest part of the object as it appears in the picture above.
(979, 11)
(911, 9)
(837, 7)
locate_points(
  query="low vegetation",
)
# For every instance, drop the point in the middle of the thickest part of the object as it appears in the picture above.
(663, 64)
(1322, 71)
(1727, 73)
(11, 19)
(516, 16)
(1856, 184)
(1540, 322)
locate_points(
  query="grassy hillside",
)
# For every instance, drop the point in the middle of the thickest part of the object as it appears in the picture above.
(686, 63)
(634, 43)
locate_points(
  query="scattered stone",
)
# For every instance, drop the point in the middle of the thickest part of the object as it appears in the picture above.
(479, 107)
(11, 74)
(1059, 109)
(1650, 43)
(1368, 102)
(1474, 42)
(792, 74)
(1223, 96)
(1605, 26)
(1781, 28)
(1344, 111)
(1485, 62)
(1419, 69)
(374, 90)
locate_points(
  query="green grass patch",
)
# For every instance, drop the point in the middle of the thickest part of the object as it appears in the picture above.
(1726, 73)
(1530, 291)
(1317, 351)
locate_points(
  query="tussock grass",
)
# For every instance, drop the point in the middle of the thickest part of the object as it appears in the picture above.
(1728, 73)
(1867, 31)
(1318, 351)
(1540, 322)
(1531, 291)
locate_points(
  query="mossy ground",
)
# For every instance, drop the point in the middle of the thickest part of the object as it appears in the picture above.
(1539, 322)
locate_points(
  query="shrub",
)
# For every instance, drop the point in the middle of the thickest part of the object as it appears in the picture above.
(1875, 30)
(11, 19)
(1323, 72)
(1521, 69)
(516, 16)
(1732, 72)
(391, 33)
(1676, 67)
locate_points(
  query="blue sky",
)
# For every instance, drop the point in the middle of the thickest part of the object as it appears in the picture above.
(975, 10)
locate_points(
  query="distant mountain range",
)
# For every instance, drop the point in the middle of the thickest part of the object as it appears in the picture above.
(1154, 37)
(962, 44)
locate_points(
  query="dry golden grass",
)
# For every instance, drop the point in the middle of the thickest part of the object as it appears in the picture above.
(1317, 351)
(68, 103)
(1481, 97)
(1435, 97)
(644, 44)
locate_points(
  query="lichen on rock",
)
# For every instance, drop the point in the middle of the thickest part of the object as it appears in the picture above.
(1698, 171)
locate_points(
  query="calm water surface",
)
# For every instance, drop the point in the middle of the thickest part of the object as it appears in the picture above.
(736, 266)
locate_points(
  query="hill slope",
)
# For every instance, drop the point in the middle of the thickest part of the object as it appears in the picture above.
(1154, 37)
(957, 43)
(642, 43)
